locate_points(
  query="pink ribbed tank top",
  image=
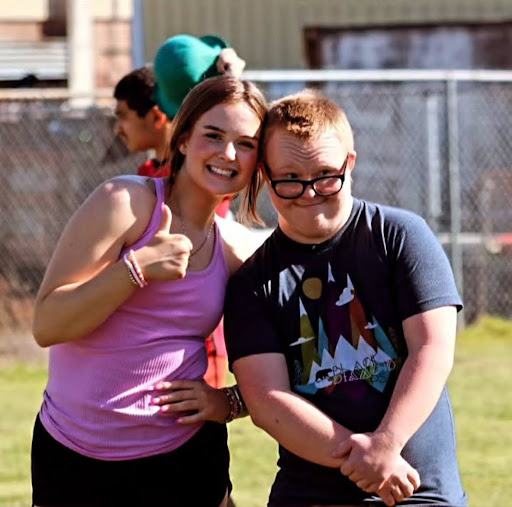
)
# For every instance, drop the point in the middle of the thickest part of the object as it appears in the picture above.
(97, 401)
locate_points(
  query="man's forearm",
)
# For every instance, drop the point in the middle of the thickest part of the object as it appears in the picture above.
(416, 393)
(299, 426)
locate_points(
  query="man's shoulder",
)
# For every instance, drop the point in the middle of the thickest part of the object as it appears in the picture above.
(154, 168)
(147, 168)
(388, 217)
(256, 263)
(390, 213)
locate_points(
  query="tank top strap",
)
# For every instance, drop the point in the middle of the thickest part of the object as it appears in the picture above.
(219, 254)
(160, 192)
(155, 219)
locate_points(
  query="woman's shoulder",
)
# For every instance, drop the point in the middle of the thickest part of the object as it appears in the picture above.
(233, 233)
(138, 193)
(129, 184)
(125, 201)
(239, 241)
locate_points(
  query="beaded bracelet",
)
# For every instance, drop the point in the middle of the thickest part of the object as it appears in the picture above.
(136, 267)
(130, 272)
(134, 271)
(243, 408)
(236, 405)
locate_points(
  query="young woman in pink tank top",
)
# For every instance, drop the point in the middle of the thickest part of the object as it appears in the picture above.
(135, 285)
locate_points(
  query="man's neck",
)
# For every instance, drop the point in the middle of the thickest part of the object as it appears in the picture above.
(162, 147)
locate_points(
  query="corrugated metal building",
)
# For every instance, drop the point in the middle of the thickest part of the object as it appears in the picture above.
(271, 34)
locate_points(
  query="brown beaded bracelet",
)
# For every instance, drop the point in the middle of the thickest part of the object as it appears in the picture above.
(236, 405)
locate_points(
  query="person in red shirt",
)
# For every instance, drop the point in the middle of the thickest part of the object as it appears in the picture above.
(147, 100)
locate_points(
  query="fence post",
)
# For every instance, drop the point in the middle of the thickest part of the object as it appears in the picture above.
(433, 163)
(138, 48)
(454, 183)
(81, 58)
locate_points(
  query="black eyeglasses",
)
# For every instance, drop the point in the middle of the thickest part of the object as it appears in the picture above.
(323, 186)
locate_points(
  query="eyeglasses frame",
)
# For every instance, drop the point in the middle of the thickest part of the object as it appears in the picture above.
(306, 183)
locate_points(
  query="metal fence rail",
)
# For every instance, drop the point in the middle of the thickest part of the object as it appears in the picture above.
(436, 143)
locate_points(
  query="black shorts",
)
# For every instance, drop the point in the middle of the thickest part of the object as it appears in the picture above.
(195, 474)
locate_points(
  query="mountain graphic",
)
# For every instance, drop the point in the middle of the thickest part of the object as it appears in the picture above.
(350, 344)
(349, 364)
(337, 318)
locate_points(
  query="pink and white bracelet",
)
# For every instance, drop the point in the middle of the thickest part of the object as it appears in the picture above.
(136, 275)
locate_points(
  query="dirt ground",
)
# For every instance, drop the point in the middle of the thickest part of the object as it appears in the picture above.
(19, 346)
(16, 312)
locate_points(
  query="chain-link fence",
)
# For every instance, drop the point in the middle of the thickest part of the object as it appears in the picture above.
(438, 144)
(51, 159)
(441, 148)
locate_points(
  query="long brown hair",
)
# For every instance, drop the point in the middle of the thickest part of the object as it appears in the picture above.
(202, 98)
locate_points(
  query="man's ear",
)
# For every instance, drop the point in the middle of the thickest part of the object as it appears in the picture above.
(351, 163)
(159, 117)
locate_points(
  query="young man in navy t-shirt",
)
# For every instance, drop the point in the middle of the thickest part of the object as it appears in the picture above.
(341, 329)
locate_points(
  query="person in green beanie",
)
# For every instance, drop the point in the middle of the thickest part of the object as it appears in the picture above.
(148, 98)
(183, 61)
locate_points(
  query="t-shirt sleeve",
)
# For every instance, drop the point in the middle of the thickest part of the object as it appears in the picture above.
(424, 276)
(248, 327)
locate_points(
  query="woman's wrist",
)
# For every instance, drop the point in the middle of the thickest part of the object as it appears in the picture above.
(237, 406)
(134, 270)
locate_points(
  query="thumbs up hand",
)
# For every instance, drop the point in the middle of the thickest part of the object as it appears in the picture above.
(166, 256)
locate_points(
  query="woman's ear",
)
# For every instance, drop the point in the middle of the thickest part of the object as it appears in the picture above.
(182, 144)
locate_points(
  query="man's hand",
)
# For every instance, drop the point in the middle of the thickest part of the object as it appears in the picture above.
(374, 463)
(230, 63)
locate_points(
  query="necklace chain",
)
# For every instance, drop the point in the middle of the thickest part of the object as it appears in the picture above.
(183, 228)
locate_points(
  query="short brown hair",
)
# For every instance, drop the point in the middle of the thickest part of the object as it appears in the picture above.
(202, 98)
(136, 89)
(308, 114)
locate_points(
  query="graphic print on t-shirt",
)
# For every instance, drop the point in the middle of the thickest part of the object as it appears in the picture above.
(349, 346)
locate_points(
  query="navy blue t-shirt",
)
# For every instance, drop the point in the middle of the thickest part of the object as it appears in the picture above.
(335, 311)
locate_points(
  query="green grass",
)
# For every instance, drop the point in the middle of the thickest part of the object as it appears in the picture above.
(253, 463)
(253, 453)
(482, 402)
(479, 386)
(21, 390)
